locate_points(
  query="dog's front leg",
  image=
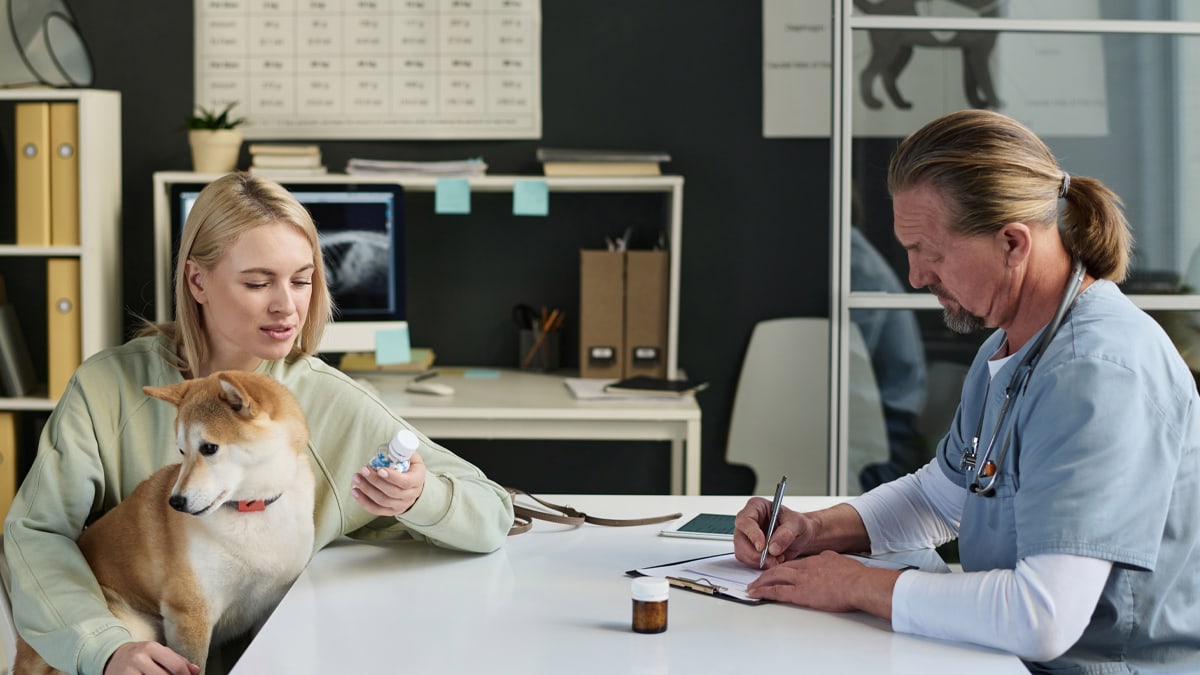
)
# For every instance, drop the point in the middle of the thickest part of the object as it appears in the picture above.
(188, 631)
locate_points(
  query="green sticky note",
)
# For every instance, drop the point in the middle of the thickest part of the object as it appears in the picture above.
(391, 346)
(530, 198)
(452, 196)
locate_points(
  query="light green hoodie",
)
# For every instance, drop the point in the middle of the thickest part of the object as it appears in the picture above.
(105, 436)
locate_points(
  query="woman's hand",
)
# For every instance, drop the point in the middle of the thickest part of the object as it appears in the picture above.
(148, 658)
(388, 492)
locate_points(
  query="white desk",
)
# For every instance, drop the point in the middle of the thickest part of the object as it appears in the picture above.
(533, 405)
(555, 600)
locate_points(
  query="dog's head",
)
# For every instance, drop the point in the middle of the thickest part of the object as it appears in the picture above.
(242, 436)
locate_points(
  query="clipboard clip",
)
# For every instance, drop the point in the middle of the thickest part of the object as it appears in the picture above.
(700, 585)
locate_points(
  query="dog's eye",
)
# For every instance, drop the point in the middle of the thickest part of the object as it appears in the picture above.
(208, 449)
(181, 451)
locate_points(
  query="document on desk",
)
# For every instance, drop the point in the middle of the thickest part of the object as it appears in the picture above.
(724, 576)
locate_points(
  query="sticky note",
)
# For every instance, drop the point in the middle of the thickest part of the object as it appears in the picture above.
(482, 373)
(530, 198)
(452, 195)
(392, 346)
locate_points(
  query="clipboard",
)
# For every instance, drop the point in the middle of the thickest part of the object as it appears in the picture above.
(722, 576)
(705, 575)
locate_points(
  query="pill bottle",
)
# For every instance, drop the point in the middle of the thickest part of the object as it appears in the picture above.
(650, 604)
(395, 453)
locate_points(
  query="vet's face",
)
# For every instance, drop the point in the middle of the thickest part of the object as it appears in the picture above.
(964, 273)
(255, 300)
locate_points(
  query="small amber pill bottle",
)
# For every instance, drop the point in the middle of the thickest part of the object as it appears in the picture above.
(650, 604)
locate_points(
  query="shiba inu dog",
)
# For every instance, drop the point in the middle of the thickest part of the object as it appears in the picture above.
(204, 549)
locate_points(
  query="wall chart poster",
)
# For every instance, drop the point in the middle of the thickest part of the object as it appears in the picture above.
(373, 69)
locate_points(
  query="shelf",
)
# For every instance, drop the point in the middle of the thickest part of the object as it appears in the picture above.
(671, 186)
(14, 251)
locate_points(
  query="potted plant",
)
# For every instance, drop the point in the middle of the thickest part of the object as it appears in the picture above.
(215, 139)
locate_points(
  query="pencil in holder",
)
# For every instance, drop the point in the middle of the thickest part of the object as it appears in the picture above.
(538, 350)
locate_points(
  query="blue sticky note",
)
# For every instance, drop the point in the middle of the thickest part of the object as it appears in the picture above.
(391, 346)
(482, 373)
(530, 198)
(452, 196)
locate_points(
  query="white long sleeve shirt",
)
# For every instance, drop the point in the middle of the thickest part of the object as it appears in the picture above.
(1036, 611)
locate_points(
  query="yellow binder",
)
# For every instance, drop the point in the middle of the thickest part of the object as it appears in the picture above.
(33, 173)
(63, 329)
(8, 462)
(64, 174)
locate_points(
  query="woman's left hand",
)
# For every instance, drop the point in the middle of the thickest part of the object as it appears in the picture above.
(388, 492)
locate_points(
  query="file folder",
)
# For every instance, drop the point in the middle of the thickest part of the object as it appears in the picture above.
(63, 337)
(64, 174)
(32, 121)
(645, 314)
(601, 313)
(8, 462)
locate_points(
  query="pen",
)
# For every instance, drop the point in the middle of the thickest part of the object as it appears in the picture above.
(425, 375)
(762, 559)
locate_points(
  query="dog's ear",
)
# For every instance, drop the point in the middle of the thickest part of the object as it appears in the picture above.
(233, 393)
(172, 393)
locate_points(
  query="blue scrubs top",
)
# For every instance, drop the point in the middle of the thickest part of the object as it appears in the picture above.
(1105, 463)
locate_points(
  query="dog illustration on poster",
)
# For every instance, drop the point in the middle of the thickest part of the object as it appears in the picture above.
(891, 51)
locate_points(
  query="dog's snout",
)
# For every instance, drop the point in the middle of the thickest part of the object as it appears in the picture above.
(178, 502)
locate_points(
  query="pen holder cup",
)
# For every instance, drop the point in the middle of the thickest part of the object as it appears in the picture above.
(545, 350)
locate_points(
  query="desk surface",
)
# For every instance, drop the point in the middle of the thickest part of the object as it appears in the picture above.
(533, 405)
(555, 600)
(507, 393)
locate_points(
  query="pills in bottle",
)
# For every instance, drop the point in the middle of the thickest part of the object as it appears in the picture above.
(650, 604)
(395, 453)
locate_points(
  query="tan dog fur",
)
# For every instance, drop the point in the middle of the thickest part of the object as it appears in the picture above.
(176, 559)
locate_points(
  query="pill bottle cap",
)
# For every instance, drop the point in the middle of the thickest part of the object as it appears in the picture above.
(650, 589)
(403, 444)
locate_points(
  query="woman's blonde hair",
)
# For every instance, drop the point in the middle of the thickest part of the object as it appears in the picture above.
(227, 208)
(993, 170)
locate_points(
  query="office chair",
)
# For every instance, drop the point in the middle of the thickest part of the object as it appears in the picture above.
(779, 422)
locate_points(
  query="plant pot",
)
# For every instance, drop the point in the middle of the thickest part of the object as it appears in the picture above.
(214, 150)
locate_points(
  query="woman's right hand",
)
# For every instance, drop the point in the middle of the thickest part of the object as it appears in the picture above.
(793, 536)
(148, 658)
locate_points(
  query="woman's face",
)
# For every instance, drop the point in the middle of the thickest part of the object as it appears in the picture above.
(255, 300)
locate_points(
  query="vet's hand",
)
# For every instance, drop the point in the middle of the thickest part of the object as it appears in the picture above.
(828, 581)
(794, 533)
(148, 658)
(387, 492)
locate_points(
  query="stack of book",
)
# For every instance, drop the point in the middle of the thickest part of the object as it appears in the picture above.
(564, 162)
(474, 166)
(286, 160)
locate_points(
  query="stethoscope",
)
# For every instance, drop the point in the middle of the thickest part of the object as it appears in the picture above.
(983, 467)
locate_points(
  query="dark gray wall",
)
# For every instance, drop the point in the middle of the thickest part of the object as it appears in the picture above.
(678, 75)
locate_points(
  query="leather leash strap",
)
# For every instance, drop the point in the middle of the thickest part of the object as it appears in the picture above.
(568, 515)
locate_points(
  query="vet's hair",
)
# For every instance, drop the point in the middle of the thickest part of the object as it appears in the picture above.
(994, 171)
(227, 208)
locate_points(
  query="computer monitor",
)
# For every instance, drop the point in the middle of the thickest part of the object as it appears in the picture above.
(361, 231)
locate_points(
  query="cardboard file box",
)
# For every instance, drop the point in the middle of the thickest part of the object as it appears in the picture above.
(645, 314)
(601, 313)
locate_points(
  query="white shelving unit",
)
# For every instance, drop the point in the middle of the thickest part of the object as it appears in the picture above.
(99, 250)
(671, 186)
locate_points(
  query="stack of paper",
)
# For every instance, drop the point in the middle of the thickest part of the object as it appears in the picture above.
(466, 167)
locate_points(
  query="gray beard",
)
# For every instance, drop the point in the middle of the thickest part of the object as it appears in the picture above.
(962, 321)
